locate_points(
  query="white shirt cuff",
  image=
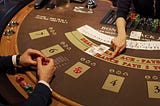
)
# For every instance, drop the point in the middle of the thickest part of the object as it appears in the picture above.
(45, 83)
(14, 60)
(41, 81)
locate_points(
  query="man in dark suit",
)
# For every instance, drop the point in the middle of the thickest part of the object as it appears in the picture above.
(45, 70)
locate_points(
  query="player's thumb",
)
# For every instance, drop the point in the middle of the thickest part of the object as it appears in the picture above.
(33, 62)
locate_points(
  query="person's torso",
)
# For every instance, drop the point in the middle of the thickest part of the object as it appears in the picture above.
(147, 8)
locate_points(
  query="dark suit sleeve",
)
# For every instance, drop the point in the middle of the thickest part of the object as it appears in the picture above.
(41, 96)
(123, 7)
(6, 63)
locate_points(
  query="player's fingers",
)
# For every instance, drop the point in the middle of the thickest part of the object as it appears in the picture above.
(116, 51)
(51, 62)
(32, 62)
(39, 63)
(45, 61)
(36, 52)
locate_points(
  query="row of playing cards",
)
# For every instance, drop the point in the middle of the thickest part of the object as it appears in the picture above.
(132, 44)
(97, 49)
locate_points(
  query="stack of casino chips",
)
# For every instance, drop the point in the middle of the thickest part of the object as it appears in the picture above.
(27, 87)
(136, 21)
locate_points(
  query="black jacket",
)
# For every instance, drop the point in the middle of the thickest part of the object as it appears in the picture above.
(5, 63)
(41, 95)
(143, 7)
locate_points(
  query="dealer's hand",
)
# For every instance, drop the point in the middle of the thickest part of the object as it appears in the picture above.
(118, 44)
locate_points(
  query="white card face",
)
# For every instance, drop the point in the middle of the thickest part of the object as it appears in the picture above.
(102, 48)
(94, 34)
(144, 45)
(135, 35)
(153, 89)
(106, 39)
(91, 51)
(113, 83)
(97, 49)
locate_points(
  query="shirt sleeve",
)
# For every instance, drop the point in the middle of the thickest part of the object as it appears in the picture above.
(14, 60)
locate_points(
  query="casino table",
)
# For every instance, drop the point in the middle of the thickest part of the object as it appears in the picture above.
(84, 78)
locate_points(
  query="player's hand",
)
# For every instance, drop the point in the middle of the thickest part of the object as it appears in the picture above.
(118, 44)
(29, 57)
(46, 69)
